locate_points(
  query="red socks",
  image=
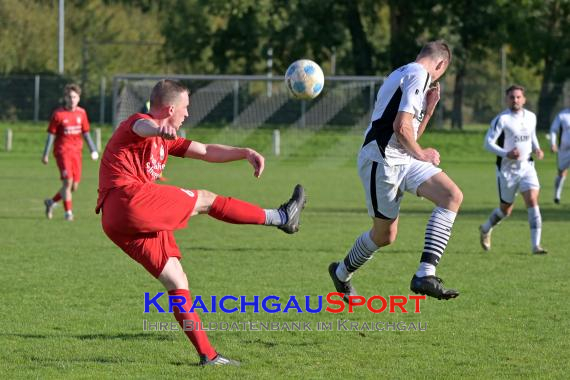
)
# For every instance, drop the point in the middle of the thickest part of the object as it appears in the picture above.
(56, 197)
(67, 205)
(236, 211)
(198, 337)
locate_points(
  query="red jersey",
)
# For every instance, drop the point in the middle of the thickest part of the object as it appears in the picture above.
(130, 159)
(68, 127)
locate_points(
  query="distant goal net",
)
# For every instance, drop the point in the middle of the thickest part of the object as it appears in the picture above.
(255, 101)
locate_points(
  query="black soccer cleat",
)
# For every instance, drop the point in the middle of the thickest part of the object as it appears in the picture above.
(218, 360)
(293, 210)
(344, 287)
(432, 286)
(50, 205)
(557, 201)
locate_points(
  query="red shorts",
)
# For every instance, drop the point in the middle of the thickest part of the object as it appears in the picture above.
(69, 165)
(141, 219)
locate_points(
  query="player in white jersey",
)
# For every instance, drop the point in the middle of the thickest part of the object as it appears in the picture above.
(391, 162)
(560, 143)
(512, 137)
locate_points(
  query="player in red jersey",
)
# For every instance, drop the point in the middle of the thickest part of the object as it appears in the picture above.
(140, 215)
(66, 127)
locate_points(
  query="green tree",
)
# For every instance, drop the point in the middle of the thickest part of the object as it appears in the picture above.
(538, 31)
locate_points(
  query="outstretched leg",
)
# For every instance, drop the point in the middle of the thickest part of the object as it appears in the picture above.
(233, 210)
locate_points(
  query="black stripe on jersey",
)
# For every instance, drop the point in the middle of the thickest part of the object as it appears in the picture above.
(383, 128)
(425, 85)
(560, 129)
(373, 198)
(500, 142)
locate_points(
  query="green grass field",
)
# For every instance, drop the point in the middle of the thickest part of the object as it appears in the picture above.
(72, 302)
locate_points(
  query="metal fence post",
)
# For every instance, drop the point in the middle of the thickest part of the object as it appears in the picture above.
(276, 142)
(36, 98)
(236, 101)
(9, 136)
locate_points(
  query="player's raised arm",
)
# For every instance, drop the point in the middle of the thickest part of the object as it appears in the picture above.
(225, 153)
(148, 128)
(405, 133)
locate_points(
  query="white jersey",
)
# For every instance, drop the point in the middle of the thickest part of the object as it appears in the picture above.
(403, 90)
(511, 130)
(560, 129)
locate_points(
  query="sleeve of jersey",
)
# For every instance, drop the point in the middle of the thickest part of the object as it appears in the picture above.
(53, 122)
(85, 124)
(178, 147)
(412, 93)
(492, 136)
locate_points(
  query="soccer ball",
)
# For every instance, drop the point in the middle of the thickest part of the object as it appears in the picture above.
(304, 79)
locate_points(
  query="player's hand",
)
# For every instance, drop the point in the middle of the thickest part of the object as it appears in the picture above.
(432, 98)
(94, 156)
(554, 148)
(45, 160)
(539, 154)
(430, 155)
(257, 161)
(514, 154)
(167, 133)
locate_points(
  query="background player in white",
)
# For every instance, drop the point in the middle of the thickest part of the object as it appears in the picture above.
(560, 143)
(391, 162)
(512, 137)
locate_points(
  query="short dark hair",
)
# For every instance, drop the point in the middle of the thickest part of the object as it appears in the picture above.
(513, 88)
(436, 49)
(72, 87)
(166, 92)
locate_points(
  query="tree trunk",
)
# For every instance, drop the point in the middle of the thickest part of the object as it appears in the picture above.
(361, 49)
(457, 112)
(550, 92)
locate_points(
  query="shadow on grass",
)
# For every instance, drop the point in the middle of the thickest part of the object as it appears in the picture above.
(121, 336)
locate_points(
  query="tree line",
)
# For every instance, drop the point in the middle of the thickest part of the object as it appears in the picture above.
(347, 37)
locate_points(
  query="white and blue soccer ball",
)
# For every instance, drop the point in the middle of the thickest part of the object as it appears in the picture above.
(304, 79)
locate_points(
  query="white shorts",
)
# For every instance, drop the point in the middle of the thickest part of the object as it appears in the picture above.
(563, 159)
(384, 185)
(510, 182)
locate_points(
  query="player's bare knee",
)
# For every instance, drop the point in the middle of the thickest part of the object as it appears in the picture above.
(457, 196)
(384, 238)
(74, 186)
(507, 209)
(204, 203)
(452, 199)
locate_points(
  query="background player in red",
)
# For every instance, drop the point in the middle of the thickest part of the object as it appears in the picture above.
(140, 215)
(66, 127)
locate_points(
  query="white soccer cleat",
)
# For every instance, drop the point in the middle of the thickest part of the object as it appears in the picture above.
(538, 250)
(68, 216)
(485, 238)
